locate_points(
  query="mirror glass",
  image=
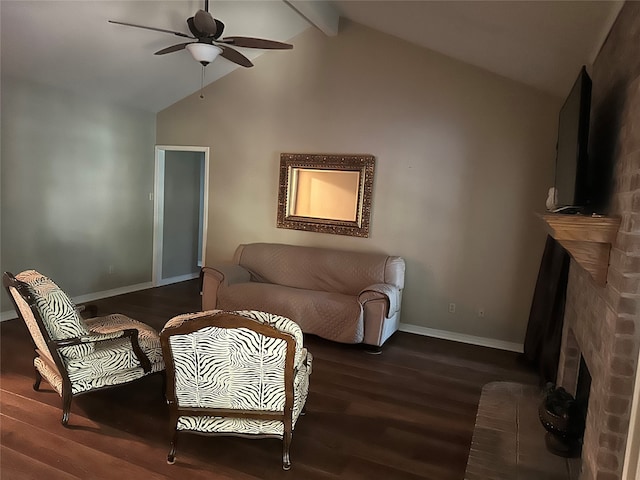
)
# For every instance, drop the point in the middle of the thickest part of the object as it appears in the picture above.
(330, 194)
(326, 193)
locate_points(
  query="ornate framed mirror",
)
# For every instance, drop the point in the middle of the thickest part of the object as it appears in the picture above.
(326, 193)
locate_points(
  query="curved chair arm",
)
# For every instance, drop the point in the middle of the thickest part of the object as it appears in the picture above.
(130, 333)
(382, 291)
(306, 359)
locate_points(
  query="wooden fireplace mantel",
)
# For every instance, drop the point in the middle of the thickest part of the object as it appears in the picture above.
(587, 239)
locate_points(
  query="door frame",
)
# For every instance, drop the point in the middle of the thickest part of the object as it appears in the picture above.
(158, 207)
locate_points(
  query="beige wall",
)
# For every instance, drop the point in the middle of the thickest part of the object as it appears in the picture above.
(463, 158)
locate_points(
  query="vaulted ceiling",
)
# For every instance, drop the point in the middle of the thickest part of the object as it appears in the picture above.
(71, 45)
(539, 43)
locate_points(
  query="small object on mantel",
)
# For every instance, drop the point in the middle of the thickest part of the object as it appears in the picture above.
(552, 199)
(588, 239)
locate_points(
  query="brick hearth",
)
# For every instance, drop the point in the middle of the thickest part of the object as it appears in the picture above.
(508, 438)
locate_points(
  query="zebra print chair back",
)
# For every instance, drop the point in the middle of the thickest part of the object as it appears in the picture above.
(17, 292)
(60, 316)
(75, 355)
(242, 373)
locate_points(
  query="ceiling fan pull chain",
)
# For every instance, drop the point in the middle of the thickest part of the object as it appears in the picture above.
(202, 83)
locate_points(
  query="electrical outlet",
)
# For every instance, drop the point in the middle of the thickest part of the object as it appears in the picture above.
(110, 269)
(452, 308)
(481, 312)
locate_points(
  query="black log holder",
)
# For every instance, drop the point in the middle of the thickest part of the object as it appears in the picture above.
(564, 421)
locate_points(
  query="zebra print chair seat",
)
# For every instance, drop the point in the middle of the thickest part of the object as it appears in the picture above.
(75, 355)
(243, 373)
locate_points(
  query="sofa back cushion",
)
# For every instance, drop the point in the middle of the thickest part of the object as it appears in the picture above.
(322, 269)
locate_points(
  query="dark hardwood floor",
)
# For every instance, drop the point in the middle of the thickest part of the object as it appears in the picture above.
(408, 413)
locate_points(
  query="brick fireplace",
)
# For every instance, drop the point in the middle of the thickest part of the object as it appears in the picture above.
(603, 323)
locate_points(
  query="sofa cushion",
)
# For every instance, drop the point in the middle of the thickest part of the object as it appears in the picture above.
(340, 315)
(319, 268)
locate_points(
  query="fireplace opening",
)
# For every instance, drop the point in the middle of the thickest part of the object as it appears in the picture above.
(582, 393)
(564, 416)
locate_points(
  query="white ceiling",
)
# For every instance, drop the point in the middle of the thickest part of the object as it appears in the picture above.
(70, 44)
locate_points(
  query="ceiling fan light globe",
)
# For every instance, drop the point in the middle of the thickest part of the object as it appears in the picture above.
(204, 52)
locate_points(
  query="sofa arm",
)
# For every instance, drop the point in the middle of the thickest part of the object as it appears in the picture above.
(220, 274)
(382, 291)
(227, 273)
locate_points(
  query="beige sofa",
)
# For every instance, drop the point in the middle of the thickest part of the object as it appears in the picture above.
(349, 297)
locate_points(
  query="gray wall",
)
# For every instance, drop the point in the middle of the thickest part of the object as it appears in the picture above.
(463, 160)
(76, 177)
(181, 226)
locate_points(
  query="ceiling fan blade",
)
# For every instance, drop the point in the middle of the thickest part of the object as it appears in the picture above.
(235, 56)
(172, 48)
(179, 34)
(204, 22)
(219, 28)
(251, 42)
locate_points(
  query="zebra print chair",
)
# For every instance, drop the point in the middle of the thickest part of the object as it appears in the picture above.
(242, 373)
(75, 355)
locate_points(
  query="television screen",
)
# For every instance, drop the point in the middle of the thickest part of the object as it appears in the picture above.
(573, 180)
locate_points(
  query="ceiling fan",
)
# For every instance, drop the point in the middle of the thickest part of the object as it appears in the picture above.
(206, 31)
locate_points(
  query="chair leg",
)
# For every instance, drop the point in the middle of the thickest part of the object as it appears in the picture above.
(171, 458)
(286, 443)
(36, 384)
(66, 406)
(164, 385)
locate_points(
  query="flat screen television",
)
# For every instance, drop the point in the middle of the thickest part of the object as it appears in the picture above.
(574, 178)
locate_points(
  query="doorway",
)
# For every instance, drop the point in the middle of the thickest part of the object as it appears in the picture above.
(181, 198)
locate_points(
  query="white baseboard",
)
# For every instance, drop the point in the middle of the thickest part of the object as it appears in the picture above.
(90, 297)
(8, 315)
(461, 337)
(180, 278)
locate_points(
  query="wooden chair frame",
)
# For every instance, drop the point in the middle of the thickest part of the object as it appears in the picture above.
(230, 320)
(9, 280)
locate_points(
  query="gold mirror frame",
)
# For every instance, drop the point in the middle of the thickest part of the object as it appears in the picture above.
(363, 164)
